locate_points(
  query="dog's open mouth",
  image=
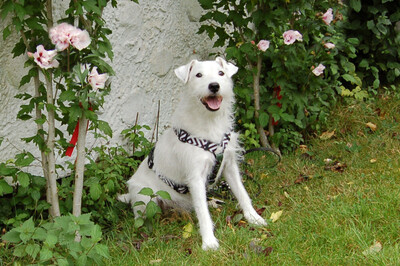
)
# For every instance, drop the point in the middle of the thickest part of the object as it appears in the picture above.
(212, 103)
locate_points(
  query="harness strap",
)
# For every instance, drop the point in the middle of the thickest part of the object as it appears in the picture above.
(205, 144)
(217, 149)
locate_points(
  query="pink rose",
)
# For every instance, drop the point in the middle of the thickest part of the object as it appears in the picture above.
(328, 16)
(318, 70)
(291, 36)
(65, 34)
(263, 45)
(329, 45)
(44, 59)
(96, 80)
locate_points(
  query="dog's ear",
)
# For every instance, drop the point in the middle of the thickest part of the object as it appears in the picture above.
(183, 72)
(230, 69)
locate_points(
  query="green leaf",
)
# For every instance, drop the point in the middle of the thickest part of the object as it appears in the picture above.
(105, 127)
(95, 191)
(163, 194)
(376, 84)
(19, 251)
(7, 7)
(146, 191)
(23, 179)
(96, 233)
(7, 171)
(5, 188)
(356, 5)
(45, 254)
(24, 159)
(138, 222)
(12, 236)
(264, 119)
(81, 261)
(68, 95)
(102, 250)
(138, 203)
(51, 239)
(152, 209)
(32, 250)
(6, 32)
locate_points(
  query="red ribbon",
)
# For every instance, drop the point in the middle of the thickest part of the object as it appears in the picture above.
(74, 138)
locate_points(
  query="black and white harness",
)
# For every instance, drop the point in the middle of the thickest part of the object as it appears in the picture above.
(217, 149)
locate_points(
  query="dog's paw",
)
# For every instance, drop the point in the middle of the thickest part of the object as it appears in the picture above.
(255, 219)
(210, 244)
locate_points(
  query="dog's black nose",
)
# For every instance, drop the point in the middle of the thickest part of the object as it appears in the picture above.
(213, 87)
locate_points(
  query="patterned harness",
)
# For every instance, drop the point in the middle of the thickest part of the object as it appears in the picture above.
(217, 149)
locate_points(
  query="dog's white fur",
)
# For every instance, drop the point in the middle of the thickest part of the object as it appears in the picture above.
(191, 165)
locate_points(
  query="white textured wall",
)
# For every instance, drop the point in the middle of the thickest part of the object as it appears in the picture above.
(149, 41)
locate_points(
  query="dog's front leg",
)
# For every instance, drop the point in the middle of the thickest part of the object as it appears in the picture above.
(198, 192)
(232, 175)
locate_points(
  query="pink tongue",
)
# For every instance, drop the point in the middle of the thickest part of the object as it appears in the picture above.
(214, 102)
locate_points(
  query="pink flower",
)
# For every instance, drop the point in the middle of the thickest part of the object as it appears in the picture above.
(263, 45)
(329, 45)
(318, 70)
(291, 36)
(328, 16)
(80, 39)
(65, 34)
(44, 59)
(96, 80)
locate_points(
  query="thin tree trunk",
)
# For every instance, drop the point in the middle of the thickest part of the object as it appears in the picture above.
(45, 165)
(79, 166)
(256, 88)
(51, 160)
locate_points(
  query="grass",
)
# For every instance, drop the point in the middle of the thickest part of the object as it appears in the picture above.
(332, 212)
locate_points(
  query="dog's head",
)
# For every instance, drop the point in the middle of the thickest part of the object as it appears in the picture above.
(209, 81)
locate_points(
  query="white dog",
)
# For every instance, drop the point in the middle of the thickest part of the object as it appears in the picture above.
(185, 155)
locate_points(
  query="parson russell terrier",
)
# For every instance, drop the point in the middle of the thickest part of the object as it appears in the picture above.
(184, 158)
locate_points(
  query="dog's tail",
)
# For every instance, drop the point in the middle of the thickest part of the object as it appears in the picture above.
(124, 198)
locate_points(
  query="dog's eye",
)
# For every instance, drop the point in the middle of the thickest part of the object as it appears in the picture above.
(221, 73)
(199, 75)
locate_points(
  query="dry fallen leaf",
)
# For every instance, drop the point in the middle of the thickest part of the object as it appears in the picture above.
(372, 161)
(375, 248)
(327, 135)
(371, 126)
(187, 230)
(276, 215)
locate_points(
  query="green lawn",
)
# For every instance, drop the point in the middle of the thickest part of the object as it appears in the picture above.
(333, 212)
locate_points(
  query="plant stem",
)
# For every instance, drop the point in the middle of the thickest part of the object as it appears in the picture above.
(42, 153)
(51, 161)
(256, 91)
(79, 165)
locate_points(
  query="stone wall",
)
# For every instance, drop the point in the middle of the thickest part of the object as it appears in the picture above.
(149, 40)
